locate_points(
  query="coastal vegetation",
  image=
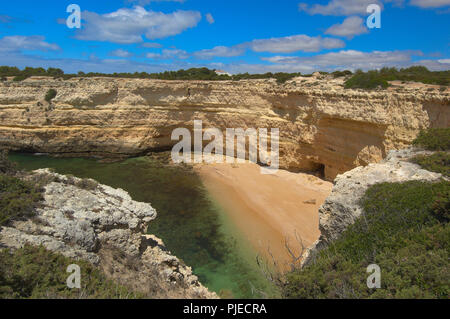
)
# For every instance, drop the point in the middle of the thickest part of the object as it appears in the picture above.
(35, 272)
(365, 80)
(434, 139)
(200, 74)
(404, 230)
(379, 78)
(18, 198)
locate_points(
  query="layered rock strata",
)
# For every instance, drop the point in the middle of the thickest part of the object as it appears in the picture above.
(323, 127)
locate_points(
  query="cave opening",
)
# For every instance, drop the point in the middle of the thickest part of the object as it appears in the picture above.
(320, 171)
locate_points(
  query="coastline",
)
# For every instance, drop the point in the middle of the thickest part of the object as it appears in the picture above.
(268, 209)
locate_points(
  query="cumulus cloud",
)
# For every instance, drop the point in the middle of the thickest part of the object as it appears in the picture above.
(130, 25)
(295, 43)
(210, 18)
(288, 44)
(349, 59)
(349, 28)
(151, 45)
(121, 53)
(430, 3)
(339, 7)
(220, 51)
(168, 55)
(18, 43)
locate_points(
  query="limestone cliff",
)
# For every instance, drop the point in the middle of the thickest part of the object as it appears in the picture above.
(322, 125)
(106, 227)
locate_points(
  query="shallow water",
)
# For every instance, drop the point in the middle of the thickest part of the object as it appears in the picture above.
(193, 227)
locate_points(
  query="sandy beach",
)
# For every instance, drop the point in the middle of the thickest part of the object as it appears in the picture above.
(268, 209)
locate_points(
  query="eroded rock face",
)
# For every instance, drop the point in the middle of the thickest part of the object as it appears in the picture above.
(106, 227)
(342, 208)
(322, 126)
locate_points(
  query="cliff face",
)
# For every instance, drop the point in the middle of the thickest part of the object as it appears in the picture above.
(106, 227)
(322, 126)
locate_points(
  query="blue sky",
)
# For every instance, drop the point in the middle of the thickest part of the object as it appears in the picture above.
(236, 36)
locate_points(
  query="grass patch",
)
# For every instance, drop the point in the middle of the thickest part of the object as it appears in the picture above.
(438, 162)
(34, 272)
(435, 139)
(404, 230)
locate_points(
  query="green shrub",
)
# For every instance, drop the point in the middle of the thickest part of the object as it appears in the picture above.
(20, 78)
(6, 166)
(18, 199)
(435, 139)
(34, 272)
(402, 231)
(338, 74)
(438, 162)
(4, 79)
(369, 80)
(51, 94)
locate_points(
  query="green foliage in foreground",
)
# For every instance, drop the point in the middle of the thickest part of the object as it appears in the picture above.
(435, 139)
(438, 162)
(404, 230)
(34, 272)
(18, 198)
(379, 78)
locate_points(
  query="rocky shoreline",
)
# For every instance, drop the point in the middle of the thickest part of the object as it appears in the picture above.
(82, 219)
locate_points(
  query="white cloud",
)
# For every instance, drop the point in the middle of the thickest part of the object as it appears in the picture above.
(444, 61)
(295, 43)
(129, 25)
(169, 55)
(151, 45)
(210, 18)
(220, 51)
(349, 28)
(121, 53)
(339, 7)
(430, 3)
(19, 43)
(349, 59)
(288, 44)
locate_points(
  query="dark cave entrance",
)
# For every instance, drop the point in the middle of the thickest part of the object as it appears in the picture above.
(320, 171)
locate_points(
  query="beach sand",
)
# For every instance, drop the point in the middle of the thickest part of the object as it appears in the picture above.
(268, 209)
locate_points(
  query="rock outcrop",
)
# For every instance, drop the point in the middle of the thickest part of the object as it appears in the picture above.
(323, 127)
(103, 225)
(342, 208)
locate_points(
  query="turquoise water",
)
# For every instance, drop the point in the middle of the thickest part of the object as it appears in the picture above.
(193, 227)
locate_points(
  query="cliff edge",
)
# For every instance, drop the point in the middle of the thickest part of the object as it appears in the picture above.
(323, 127)
(84, 220)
